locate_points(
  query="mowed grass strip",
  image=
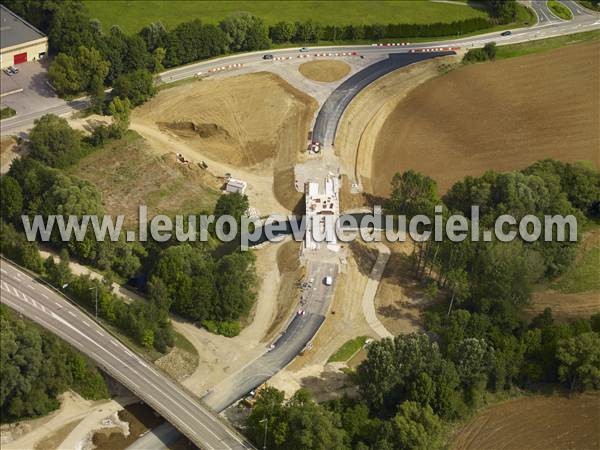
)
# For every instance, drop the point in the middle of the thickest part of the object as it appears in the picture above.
(348, 349)
(584, 274)
(543, 45)
(131, 16)
(560, 10)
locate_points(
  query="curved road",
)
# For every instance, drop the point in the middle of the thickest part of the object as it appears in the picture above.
(178, 407)
(52, 311)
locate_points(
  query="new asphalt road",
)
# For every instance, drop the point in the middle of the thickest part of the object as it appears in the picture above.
(51, 310)
(548, 26)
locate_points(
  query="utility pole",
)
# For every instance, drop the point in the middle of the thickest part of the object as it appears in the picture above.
(266, 422)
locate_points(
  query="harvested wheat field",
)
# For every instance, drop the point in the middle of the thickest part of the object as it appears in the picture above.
(502, 115)
(128, 174)
(537, 422)
(239, 121)
(324, 70)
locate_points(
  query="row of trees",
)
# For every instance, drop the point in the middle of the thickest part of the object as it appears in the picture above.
(410, 386)
(36, 366)
(211, 285)
(89, 58)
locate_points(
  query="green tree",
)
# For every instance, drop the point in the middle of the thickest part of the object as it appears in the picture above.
(137, 87)
(417, 427)
(246, 32)
(412, 194)
(54, 142)
(282, 32)
(579, 361)
(120, 109)
(12, 198)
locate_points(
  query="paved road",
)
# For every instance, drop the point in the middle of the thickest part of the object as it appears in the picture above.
(330, 114)
(548, 26)
(298, 333)
(56, 314)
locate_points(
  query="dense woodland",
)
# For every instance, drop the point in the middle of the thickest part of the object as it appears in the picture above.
(412, 387)
(36, 366)
(213, 285)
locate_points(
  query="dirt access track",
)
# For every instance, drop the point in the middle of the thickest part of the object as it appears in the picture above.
(502, 115)
(252, 126)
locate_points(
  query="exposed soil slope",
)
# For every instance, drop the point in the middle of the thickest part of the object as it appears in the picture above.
(324, 70)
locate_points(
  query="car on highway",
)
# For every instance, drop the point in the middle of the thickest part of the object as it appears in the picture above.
(506, 33)
(328, 281)
(304, 50)
(268, 56)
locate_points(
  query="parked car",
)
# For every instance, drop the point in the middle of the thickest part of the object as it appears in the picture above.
(8, 72)
(506, 33)
(268, 56)
(304, 50)
(13, 69)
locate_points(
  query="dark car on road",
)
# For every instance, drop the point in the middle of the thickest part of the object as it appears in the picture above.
(506, 33)
(269, 56)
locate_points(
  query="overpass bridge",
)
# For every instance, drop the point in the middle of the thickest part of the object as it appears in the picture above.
(51, 310)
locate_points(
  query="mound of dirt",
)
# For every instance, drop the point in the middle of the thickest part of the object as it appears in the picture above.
(503, 116)
(191, 129)
(239, 121)
(324, 70)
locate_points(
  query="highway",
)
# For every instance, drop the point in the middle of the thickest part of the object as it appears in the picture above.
(52, 311)
(187, 414)
(548, 26)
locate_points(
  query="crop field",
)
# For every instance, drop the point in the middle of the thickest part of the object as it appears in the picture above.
(535, 423)
(502, 115)
(131, 16)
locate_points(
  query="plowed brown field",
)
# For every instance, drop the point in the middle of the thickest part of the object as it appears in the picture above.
(535, 423)
(502, 115)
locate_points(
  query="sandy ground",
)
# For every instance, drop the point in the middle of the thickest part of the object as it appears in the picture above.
(499, 116)
(345, 321)
(400, 299)
(366, 114)
(536, 422)
(55, 426)
(253, 126)
(8, 152)
(324, 70)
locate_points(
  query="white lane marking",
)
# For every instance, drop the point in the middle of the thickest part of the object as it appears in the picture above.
(43, 295)
(72, 313)
(100, 333)
(3, 271)
(85, 323)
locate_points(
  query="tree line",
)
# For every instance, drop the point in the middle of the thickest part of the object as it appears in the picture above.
(36, 367)
(89, 58)
(477, 343)
(213, 285)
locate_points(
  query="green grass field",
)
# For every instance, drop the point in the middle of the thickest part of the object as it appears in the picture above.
(584, 274)
(131, 16)
(560, 10)
(527, 48)
(348, 349)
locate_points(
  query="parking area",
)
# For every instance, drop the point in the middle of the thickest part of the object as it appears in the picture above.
(28, 90)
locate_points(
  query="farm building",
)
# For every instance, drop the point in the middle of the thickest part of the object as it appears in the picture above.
(20, 41)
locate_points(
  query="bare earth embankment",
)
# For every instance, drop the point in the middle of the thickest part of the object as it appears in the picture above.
(252, 126)
(535, 423)
(502, 116)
